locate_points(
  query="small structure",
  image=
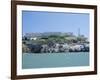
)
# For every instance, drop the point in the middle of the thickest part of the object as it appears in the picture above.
(33, 38)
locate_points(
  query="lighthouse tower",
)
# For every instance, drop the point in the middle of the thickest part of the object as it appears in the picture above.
(79, 32)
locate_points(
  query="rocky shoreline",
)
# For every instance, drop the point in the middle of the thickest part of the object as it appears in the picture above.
(56, 48)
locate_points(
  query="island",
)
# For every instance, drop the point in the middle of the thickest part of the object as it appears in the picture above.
(54, 42)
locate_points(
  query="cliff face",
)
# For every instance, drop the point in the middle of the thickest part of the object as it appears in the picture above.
(25, 48)
(55, 48)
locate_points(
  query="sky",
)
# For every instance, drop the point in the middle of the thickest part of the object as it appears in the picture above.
(40, 21)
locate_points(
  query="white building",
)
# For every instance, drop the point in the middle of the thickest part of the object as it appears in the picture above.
(34, 38)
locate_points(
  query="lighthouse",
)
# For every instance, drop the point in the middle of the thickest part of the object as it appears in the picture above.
(79, 32)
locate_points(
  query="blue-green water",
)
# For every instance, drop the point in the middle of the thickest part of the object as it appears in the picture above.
(51, 60)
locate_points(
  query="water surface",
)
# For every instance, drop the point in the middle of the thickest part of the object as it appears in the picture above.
(50, 60)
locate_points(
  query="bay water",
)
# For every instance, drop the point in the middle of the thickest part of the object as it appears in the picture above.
(52, 60)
